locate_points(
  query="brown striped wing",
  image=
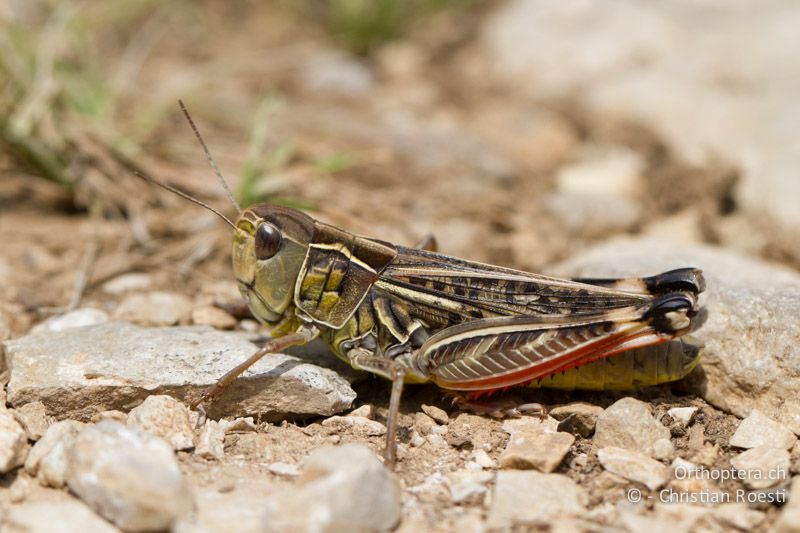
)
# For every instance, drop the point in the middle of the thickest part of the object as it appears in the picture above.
(488, 354)
(444, 291)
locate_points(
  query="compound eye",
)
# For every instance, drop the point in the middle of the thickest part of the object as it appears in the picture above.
(268, 241)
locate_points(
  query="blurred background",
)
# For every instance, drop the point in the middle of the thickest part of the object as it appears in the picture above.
(519, 131)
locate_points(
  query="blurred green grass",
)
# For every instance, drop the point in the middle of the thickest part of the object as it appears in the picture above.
(68, 73)
(362, 26)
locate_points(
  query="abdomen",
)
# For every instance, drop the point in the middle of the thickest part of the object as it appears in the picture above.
(634, 369)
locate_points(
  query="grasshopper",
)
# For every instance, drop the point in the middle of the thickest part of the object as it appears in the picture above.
(413, 315)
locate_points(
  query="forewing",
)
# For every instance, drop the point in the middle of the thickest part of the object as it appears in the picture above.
(454, 290)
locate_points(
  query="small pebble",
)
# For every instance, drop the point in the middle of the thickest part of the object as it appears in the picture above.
(760, 430)
(525, 497)
(467, 486)
(342, 488)
(209, 315)
(211, 440)
(762, 467)
(438, 414)
(249, 325)
(245, 423)
(364, 411)
(540, 450)
(111, 414)
(33, 419)
(128, 476)
(663, 449)
(284, 469)
(437, 441)
(628, 423)
(423, 424)
(683, 414)
(359, 425)
(13, 443)
(155, 309)
(62, 515)
(73, 319)
(417, 440)
(19, 490)
(578, 418)
(532, 424)
(684, 469)
(790, 514)
(439, 430)
(128, 282)
(483, 460)
(47, 459)
(634, 466)
(165, 417)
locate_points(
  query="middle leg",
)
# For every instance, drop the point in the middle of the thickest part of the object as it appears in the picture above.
(364, 359)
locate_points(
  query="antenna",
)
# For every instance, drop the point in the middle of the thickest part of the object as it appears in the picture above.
(210, 159)
(184, 196)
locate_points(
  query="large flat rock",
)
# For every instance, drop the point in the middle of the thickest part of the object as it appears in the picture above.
(752, 334)
(82, 371)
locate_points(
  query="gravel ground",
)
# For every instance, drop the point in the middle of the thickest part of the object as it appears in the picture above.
(541, 137)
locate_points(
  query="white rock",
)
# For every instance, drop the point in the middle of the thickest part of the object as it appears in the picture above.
(687, 518)
(467, 486)
(614, 170)
(682, 414)
(760, 430)
(359, 425)
(634, 466)
(663, 449)
(530, 424)
(751, 348)
(597, 193)
(762, 467)
(165, 417)
(111, 414)
(284, 469)
(13, 443)
(47, 459)
(65, 515)
(437, 413)
(155, 309)
(73, 319)
(209, 315)
(240, 511)
(789, 520)
(33, 419)
(629, 424)
(243, 423)
(578, 418)
(128, 476)
(593, 215)
(19, 490)
(343, 488)
(529, 498)
(364, 410)
(540, 450)
(79, 372)
(211, 442)
(482, 459)
(128, 282)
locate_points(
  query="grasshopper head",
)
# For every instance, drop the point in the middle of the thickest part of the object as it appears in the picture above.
(269, 247)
